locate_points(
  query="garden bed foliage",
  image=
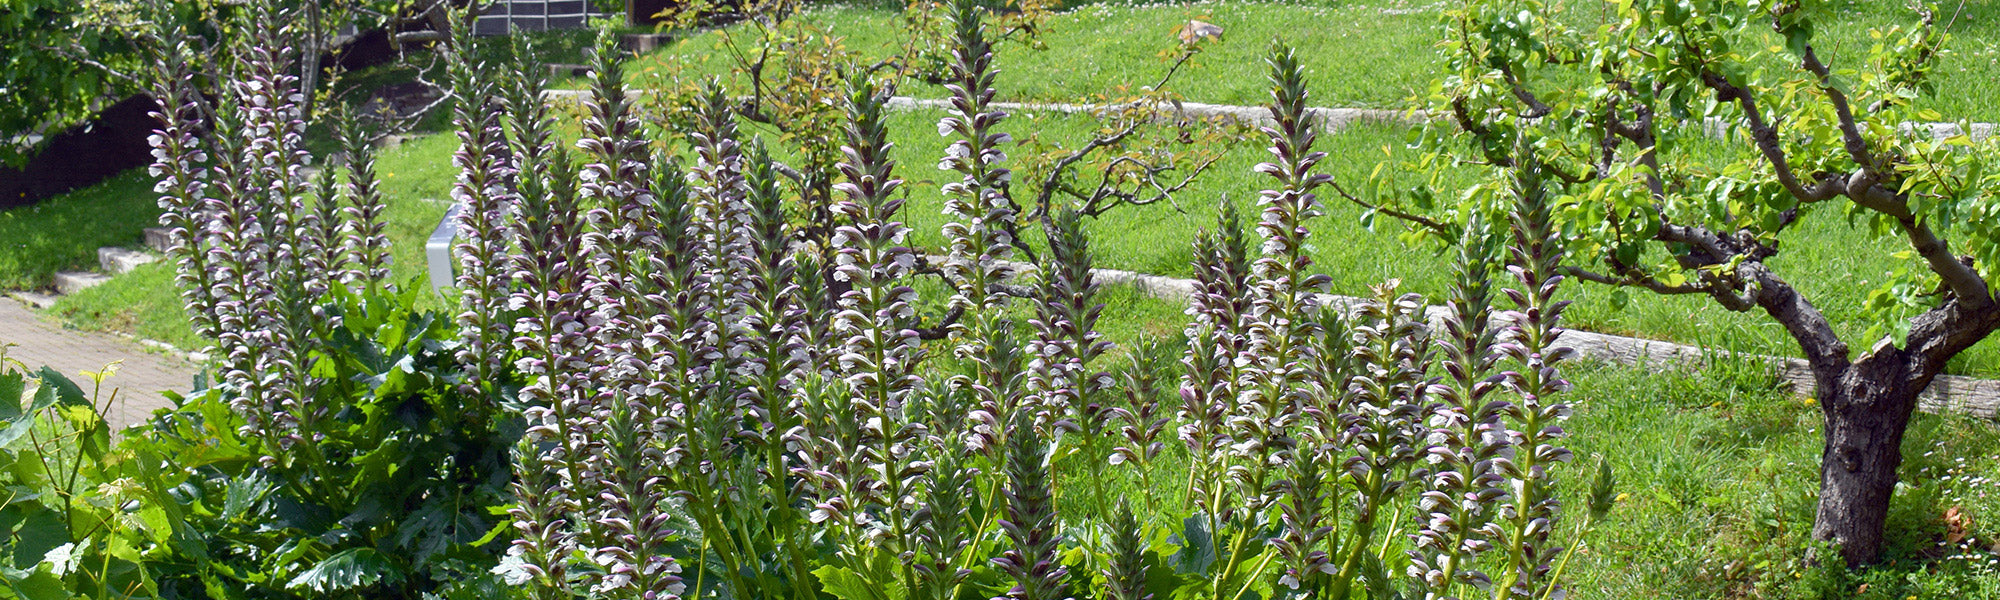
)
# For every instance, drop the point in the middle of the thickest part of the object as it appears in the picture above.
(679, 366)
(675, 387)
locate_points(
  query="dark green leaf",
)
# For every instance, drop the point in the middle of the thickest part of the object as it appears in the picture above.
(41, 585)
(67, 393)
(351, 569)
(437, 526)
(1197, 544)
(242, 493)
(13, 389)
(41, 532)
(19, 420)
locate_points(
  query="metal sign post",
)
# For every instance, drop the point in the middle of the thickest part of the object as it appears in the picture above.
(437, 250)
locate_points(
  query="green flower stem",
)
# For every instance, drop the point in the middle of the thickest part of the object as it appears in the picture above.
(1555, 576)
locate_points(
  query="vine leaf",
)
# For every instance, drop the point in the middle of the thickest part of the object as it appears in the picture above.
(40, 584)
(66, 392)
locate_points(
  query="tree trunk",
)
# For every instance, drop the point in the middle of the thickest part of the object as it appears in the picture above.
(1866, 410)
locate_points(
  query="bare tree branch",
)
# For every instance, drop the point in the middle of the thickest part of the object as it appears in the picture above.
(1536, 108)
(1641, 133)
(1805, 322)
(1442, 230)
(1850, 134)
(1765, 136)
(1654, 285)
(1943, 332)
(943, 328)
(75, 52)
(1053, 182)
(1095, 201)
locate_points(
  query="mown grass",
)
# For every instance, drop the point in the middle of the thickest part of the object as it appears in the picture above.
(1717, 474)
(1378, 55)
(64, 233)
(1830, 262)
(1365, 53)
(1718, 471)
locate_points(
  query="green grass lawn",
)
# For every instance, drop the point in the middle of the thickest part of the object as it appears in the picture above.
(1719, 476)
(64, 233)
(1362, 53)
(1378, 56)
(1830, 262)
(1717, 472)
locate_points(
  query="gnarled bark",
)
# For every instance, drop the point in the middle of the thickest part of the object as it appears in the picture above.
(1867, 406)
(1865, 416)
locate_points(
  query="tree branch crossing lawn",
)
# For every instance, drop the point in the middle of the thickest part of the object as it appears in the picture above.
(1718, 465)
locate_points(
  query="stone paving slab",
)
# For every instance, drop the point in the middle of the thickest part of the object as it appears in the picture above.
(141, 375)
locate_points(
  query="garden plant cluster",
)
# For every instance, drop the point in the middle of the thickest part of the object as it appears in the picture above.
(680, 361)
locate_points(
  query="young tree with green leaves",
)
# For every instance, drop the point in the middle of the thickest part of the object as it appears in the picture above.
(60, 60)
(1609, 111)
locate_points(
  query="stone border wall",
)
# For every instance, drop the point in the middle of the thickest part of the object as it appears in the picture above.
(1946, 394)
(1330, 119)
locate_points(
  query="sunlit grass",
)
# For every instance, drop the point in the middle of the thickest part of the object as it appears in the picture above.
(64, 233)
(1375, 53)
(1830, 262)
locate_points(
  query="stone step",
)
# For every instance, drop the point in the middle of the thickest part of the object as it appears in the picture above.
(644, 42)
(35, 300)
(568, 70)
(70, 282)
(159, 240)
(119, 261)
(393, 141)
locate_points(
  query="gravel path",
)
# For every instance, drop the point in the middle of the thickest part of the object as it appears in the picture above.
(142, 373)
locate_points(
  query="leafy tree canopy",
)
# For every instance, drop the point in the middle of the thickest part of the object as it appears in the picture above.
(61, 60)
(1686, 139)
